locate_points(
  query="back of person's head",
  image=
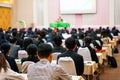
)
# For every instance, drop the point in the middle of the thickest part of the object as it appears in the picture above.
(57, 40)
(26, 42)
(13, 39)
(5, 47)
(70, 43)
(32, 50)
(44, 50)
(87, 40)
(3, 63)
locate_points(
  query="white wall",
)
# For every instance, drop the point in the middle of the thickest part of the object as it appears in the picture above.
(22, 10)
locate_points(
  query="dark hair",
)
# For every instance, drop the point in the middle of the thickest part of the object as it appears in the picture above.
(70, 43)
(5, 47)
(32, 50)
(26, 42)
(87, 40)
(44, 50)
(57, 40)
(3, 63)
(13, 39)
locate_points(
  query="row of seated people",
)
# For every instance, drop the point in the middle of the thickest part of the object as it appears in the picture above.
(70, 44)
(4, 51)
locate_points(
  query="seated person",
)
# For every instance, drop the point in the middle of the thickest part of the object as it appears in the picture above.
(70, 44)
(87, 42)
(58, 45)
(44, 70)
(6, 73)
(5, 49)
(32, 54)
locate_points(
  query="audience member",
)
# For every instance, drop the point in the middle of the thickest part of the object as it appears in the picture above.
(43, 70)
(6, 73)
(58, 45)
(5, 49)
(32, 54)
(70, 44)
(87, 42)
(13, 47)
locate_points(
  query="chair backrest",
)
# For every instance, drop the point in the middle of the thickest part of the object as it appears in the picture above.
(85, 53)
(63, 43)
(25, 66)
(81, 42)
(50, 44)
(22, 54)
(55, 54)
(65, 35)
(68, 64)
(92, 45)
(98, 42)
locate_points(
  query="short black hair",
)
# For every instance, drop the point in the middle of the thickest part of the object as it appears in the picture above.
(57, 40)
(87, 40)
(32, 50)
(5, 47)
(44, 50)
(13, 39)
(70, 43)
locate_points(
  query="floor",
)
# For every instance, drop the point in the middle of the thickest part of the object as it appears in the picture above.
(112, 73)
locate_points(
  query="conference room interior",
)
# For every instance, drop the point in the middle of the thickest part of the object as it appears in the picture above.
(40, 21)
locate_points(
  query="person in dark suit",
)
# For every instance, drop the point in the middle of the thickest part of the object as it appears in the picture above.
(5, 49)
(70, 44)
(87, 42)
(58, 45)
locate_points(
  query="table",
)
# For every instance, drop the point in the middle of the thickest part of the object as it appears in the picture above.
(109, 49)
(104, 52)
(90, 67)
(100, 57)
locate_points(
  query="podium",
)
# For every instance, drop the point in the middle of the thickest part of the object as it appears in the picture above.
(59, 24)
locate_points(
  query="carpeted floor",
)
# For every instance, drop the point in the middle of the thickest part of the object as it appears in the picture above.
(112, 73)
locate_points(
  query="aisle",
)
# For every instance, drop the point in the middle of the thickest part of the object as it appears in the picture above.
(112, 73)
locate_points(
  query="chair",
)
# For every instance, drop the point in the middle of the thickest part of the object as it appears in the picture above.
(65, 35)
(81, 42)
(50, 44)
(22, 54)
(68, 64)
(55, 54)
(98, 42)
(85, 53)
(91, 44)
(63, 43)
(25, 66)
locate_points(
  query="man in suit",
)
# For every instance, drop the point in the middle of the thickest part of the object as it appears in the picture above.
(70, 44)
(43, 70)
(87, 42)
(58, 45)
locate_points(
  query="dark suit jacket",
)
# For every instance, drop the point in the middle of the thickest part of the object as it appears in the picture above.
(93, 54)
(59, 49)
(78, 60)
(12, 63)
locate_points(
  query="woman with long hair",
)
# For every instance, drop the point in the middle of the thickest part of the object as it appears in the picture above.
(5, 72)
